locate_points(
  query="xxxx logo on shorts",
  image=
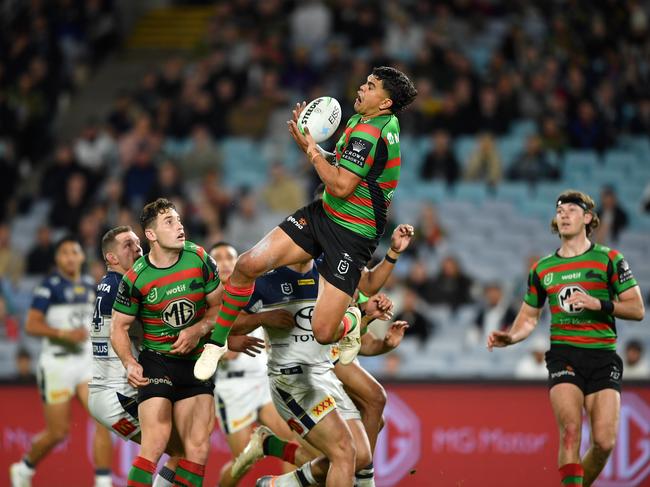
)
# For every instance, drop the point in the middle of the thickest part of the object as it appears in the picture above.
(325, 405)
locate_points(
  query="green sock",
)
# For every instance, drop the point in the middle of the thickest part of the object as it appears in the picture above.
(141, 472)
(349, 323)
(234, 299)
(275, 447)
(189, 474)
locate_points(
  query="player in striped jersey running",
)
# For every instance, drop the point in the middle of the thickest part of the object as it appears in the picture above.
(587, 285)
(345, 226)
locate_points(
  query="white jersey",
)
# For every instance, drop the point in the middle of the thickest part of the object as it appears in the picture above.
(296, 293)
(66, 305)
(243, 365)
(107, 367)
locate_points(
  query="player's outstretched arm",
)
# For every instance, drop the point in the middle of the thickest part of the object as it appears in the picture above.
(247, 322)
(121, 342)
(524, 324)
(372, 280)
(36, 325)
(372, 345)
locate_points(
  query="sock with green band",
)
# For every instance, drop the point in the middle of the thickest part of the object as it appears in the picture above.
(234, 299)
(141, 473)
(275, 447)
(189, 474)
(572, 474)
(349, 323)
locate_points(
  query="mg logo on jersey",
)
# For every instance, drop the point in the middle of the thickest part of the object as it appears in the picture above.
(303, 318)
(179, 313)
(286, 288)
(629, 464)
(343, 267)
(548, 279)
(564, 294)
(398, 447)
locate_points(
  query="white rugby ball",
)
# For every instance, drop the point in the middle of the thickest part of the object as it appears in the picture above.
(322, 117)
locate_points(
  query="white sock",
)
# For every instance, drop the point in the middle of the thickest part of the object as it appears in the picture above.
(103, 481)
(165, 478)
(305, 476)
(365, 477)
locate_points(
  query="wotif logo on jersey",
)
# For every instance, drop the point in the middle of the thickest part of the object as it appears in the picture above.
(398, 446)
(629, 464)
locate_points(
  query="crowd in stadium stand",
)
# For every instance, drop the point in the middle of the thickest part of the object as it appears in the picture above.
(578, 69)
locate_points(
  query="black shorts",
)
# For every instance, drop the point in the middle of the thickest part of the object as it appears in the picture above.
(590, 370)
(172, 378)
(345, 252)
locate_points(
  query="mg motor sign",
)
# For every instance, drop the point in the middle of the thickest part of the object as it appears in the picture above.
(398, 446)
(444, 435)
(629, 465)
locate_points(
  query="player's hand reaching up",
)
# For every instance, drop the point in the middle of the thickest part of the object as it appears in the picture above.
(498, 339)
(246, 344)
(401, 237)
(298, 110)
(395, 333)
(280, 319)
(134, 375)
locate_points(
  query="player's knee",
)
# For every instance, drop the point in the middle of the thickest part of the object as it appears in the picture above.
(249, 266)
(197, 451)
(377, 400)
(324, 332)
(382, 422)
(570, 435)
(604, 443)
(363, 458)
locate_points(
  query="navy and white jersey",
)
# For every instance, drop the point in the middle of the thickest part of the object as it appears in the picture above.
(107, 366)
(66, 305)
(285, 289)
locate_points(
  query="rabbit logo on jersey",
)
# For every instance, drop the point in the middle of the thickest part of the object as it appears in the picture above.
(629, 464)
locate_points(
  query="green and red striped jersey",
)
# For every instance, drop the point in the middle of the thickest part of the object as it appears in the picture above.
(170, 299)
(370, 150)
(600, 272)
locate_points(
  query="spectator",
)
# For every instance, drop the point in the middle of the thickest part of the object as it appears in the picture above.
(440, 161)
(9, 326)
(67, 210)
(532, 164)
(41, 257)
(12, 265)
(142, 138)
(140, 177)
(495, 313)
(282, 193)
(203, 154)
(451, 286)
(485, 162)
(636, 366)
(490, 117)
(533, 365)
(55, 179)
(120, 119)
(586, 130)
(419, 326)
(553, 138)
(95, 149)
(613, 218)
(24, 367)
(247, 225)
(429, 233)
(640, 122)
(168, 184)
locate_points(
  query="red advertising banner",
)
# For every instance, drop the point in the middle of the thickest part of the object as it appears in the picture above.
(436, 435)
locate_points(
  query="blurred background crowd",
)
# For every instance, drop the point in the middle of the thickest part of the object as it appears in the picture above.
(517, 101)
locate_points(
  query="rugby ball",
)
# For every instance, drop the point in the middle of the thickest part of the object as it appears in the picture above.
(322, 117)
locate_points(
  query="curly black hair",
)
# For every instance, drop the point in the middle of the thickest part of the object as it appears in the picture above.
(398, 85)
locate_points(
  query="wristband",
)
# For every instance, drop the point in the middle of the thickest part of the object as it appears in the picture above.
(390, 259)
(606, 306)
(362, 299)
